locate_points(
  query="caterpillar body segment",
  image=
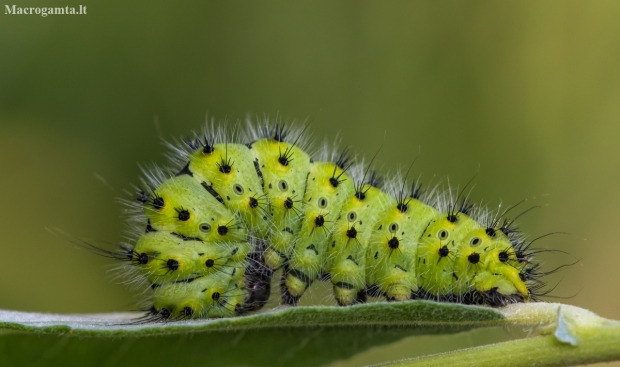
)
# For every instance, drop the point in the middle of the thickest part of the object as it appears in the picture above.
(228, 173)
(328, 186)
(284, 169)
(352, 233)
(164, 258)
(238, 211)
(392, 252)
(210, 296)
(179, 205)
(437, 251)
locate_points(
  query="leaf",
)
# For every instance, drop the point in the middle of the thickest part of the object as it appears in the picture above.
(305, 336)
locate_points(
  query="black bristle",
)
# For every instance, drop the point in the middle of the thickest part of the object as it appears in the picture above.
(142, 197)
(344, 160)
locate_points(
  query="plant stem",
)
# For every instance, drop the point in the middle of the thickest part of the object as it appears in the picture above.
(579, 337)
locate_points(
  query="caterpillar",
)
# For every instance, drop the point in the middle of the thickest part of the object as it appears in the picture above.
(239, 204)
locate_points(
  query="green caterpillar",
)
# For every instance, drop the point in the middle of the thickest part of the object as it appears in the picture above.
(240, 208)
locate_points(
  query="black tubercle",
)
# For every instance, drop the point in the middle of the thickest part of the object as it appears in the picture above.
(196, 143)
(375, 180)
(280, 132)
(192, 143)
(142, 197)
(164, 314)
(343, 162)
(207, 144)
(319, 221)
(253, 202)
(286, 157)
(209, 263)
(208, 149)
(393, 243)
(225, 164)
(143, 258)
(490, 232)
(503, 256)
(456, 208)
(222, 230)
(157, 201)
(459, 205)
(416, 190)
(352, 233)
(444, 251)
(288, 203)
(172, 264)
(187, 311)
(182, 214)
(473, 258)
(404, 198)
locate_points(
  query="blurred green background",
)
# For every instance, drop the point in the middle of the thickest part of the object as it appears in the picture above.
(524, 94)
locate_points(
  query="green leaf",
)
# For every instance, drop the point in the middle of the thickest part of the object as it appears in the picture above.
(304, 336)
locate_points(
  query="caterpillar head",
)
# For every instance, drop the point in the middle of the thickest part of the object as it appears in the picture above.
(502, 259)
(485, 263)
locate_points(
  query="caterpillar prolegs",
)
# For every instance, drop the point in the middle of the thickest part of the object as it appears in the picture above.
(239, 206)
